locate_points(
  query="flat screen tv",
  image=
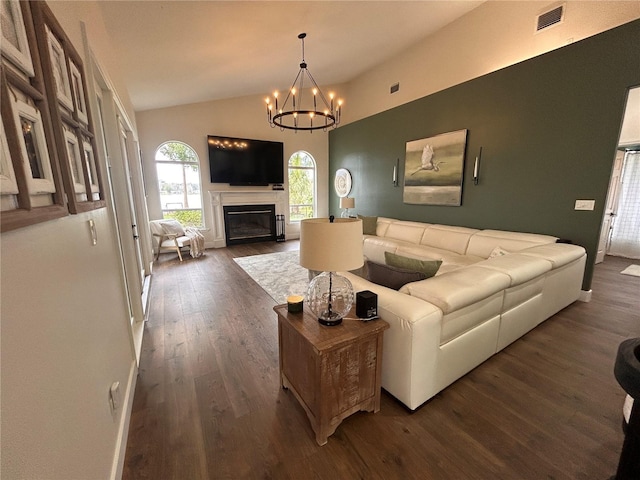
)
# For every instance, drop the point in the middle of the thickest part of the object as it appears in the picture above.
(240, 161)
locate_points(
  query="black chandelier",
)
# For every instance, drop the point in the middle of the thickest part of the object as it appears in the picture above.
(299, 111)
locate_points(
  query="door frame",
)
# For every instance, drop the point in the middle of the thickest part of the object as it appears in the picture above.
(124, 172)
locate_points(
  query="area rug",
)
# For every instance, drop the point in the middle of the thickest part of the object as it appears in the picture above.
(632, 270)
(279, 274)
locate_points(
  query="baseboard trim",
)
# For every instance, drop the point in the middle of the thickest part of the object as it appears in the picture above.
(117, 467)
(585, 295)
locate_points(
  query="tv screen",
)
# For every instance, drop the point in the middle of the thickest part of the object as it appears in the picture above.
(240, 161)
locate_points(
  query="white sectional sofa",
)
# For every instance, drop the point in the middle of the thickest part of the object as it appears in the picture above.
(444, 326)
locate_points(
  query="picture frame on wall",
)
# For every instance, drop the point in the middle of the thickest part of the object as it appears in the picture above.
(92, 170)
(434, 168)
(75, 162)
(33, 148)
(14, 44)
(8, 183)
(59, 70)
(78, 93)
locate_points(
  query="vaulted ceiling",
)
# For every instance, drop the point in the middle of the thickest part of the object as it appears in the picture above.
(179, 52)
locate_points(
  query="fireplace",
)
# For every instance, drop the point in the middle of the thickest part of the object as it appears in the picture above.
(249, 223)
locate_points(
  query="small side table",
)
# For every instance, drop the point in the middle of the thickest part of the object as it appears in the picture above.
(332, 371)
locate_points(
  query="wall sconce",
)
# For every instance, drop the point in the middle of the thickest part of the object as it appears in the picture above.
(396, 169)
(476, 168)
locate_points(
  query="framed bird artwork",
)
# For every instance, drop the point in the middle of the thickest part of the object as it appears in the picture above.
(433, 169)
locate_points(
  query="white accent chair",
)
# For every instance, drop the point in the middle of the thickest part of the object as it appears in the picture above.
(168, 235)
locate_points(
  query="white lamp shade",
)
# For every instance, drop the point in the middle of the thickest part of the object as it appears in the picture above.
(331, 247)
(347, 202)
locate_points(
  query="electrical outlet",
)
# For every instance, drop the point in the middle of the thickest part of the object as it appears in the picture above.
(585, 204)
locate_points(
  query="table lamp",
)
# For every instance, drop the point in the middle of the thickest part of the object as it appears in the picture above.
(330, 245)
(347, 203)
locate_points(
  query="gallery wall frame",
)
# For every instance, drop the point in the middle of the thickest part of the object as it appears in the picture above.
(77, 88)
(8, 183)
(48, 167)
(57, 60)
(75, 162)
(14, 44)
(30, 205)
(60, 60)
(33, 142)
(91, 168)
(434, 168)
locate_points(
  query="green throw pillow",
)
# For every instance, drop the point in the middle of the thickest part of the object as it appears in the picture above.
(391, 277)
(428, 267)
(369, 225)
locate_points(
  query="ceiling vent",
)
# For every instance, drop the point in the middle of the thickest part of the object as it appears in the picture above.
(545, 20)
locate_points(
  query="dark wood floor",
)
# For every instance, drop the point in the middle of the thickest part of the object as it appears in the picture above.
(208, 405)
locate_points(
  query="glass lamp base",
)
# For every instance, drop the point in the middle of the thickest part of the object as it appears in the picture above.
(330, 298)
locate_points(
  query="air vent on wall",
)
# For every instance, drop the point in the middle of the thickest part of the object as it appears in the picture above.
(549, 18)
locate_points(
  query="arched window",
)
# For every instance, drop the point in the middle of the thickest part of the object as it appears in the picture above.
(178, 171)
(302, 186)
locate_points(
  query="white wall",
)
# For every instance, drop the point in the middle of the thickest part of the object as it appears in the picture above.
(493, 36)
(65, 333)
(243, 117)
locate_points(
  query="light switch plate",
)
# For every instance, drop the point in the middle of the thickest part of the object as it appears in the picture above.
(94, 233)
(585, 204)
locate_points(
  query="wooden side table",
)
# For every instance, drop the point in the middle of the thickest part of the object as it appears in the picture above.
(332, 371)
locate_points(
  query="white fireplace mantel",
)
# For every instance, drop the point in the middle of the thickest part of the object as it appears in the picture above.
(222, 198)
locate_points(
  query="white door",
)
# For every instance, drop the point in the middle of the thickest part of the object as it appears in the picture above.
(114, 138)
(134, 216)
(610, 207)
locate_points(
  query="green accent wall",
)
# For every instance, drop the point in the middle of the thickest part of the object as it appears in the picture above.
(548, 128)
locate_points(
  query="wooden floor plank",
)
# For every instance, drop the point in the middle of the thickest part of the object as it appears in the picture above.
(208, 404)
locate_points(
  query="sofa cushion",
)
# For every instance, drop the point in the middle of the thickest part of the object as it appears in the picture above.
(369, 225)
(391, 277)
(558, 254)
(520, 268)
(383, 226)
(406, 231)
(453, 239)
(428, 267)
(469, 318)
(375, 247)
(482, 243)
(459, 288)
(432, 253)
(182, 241)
